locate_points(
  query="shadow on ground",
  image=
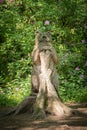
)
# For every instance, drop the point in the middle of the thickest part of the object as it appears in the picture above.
(24, 121)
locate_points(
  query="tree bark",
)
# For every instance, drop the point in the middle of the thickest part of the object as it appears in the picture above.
(47, 98)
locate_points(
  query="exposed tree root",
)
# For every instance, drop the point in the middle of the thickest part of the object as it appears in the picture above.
(39, 114)
(25, 106)
(54, 108)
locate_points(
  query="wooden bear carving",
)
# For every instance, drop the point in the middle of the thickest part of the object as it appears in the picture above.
(43, 43)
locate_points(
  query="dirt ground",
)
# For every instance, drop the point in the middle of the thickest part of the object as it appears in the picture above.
(24, 121)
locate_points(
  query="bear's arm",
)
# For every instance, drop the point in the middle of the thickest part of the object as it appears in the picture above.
(35, 55)
(54, 55)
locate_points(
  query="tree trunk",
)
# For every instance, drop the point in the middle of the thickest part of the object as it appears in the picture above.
(47, 98)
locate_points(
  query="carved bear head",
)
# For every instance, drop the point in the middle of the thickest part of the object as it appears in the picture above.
(42, 37)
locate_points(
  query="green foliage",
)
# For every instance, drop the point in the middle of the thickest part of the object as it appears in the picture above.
(15, 91)
(66, 20)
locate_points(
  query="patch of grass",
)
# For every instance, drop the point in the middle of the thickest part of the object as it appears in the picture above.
(14, 92)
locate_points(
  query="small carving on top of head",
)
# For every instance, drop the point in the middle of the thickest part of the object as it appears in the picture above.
(42, 37)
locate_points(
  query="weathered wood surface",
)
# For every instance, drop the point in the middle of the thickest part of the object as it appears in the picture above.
(47, 98)
(43, 43)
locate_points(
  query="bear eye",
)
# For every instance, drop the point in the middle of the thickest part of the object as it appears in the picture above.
(37, 32)
(49, 33)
